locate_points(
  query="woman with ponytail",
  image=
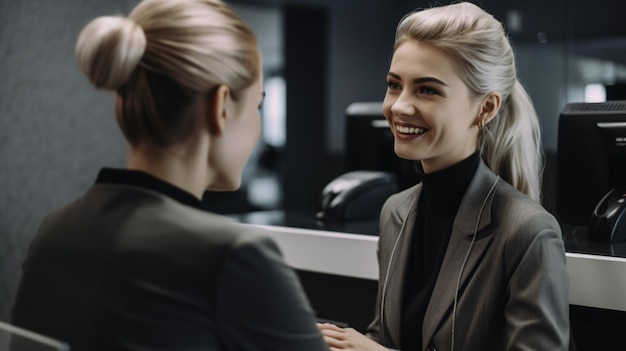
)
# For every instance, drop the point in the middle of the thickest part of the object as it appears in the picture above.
(136, 263)
(468, 258)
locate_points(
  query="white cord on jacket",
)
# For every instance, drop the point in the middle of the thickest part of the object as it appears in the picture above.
(458, 282)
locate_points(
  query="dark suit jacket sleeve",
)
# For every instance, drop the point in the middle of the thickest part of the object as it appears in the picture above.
(260, 303)
(536, 312)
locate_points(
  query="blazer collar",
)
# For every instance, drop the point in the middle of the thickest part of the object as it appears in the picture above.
(465, 223)
(473, 200)
(477, 194)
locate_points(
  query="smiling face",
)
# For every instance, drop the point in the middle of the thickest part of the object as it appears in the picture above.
(432, 113)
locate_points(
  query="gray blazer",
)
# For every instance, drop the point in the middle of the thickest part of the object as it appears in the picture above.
(513, 285)
(126, 268)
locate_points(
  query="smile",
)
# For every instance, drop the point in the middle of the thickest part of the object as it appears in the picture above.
(410, 130)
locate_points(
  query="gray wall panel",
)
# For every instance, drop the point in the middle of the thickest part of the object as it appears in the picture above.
(55, 130)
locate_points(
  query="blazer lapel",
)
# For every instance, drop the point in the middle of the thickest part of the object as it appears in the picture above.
(404, 222)
(444, 292)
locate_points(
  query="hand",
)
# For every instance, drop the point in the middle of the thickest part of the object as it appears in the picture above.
(347, 339)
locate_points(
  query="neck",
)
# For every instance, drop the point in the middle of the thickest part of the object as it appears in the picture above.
(182, 166)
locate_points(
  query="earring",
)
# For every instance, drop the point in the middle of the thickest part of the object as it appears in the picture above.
(481, 124)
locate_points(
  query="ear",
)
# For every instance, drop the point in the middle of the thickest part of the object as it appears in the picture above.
(217, 109)
(489, 109)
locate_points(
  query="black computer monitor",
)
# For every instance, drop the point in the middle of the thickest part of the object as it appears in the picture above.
(591, 157)
(369, 144)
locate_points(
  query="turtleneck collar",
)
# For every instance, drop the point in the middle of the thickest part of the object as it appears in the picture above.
(443, 190)
(456, 176)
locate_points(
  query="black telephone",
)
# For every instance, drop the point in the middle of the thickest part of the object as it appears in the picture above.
(356, 195)
(608, 222)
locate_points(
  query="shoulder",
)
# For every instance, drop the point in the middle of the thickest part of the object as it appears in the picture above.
(138, 215)
(516, 206)
(203, 226)
(520, 218)
(528, 238)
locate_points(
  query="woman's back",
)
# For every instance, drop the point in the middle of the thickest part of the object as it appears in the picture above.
(141, 270)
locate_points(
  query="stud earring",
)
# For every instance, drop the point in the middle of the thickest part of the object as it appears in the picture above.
(481, 124)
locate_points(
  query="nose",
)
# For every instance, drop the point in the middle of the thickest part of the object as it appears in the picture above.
(402, 106)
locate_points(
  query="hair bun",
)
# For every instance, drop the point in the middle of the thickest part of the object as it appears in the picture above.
(108, 50)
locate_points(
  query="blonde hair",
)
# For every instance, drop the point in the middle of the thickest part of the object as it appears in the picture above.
(511, 143)
(163, 56)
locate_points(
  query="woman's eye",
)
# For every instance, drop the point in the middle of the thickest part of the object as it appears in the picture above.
(393, 85)
(428, 91)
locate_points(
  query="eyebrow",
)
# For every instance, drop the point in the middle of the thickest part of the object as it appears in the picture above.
(420, 80)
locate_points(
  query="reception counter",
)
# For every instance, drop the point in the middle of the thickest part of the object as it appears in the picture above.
(338, 267)
(597, 270)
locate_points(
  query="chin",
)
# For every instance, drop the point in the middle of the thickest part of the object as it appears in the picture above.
(408, 153)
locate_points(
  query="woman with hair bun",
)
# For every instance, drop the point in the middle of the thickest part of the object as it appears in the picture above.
(135, 263)
(468, 258)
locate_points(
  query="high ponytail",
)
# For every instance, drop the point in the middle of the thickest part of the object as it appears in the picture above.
(510, 144)
(108, 50)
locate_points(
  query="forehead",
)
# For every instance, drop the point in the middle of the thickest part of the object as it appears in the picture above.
(414, 59)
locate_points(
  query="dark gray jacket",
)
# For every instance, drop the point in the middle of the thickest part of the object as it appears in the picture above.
(126, 268)
(513, 289)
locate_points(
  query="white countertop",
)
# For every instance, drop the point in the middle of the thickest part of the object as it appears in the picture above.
(595, 281)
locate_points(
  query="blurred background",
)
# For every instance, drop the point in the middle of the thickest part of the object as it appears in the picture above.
(320, 56)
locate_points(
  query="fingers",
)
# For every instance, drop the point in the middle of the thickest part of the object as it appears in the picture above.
(333, 335)
(329, 326)
(335, 344)
(348, 339)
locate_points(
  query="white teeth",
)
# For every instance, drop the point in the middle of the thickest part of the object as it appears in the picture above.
(409, 130)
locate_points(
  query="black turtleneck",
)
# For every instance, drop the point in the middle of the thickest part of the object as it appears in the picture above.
(437, 207)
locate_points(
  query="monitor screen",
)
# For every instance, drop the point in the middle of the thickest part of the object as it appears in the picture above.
(369, 144)
(591, 157)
